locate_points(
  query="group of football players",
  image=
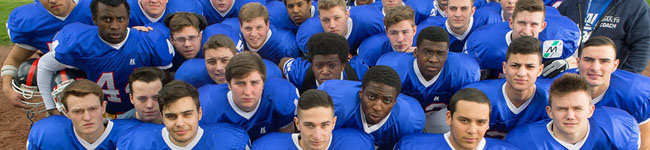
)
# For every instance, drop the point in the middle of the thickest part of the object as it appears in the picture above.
(322, 74)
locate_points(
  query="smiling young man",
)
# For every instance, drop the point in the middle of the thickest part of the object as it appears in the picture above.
(327, 60)
(489, 44)
(218, 50)
(181, 110)
(432, 75)
(355, 24)
(615, 87)
(150, 11)
(468, 118)
(315, 121)
(375, 106)
(84, 127)
(107, 53)
(400, 30)
(32, 27)
(250, 100)
(576, 123)
(263, 38)
(518, 99)
(461, 21)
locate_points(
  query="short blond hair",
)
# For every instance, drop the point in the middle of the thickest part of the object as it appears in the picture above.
(81, 88)
(251, 11)
(328, 4)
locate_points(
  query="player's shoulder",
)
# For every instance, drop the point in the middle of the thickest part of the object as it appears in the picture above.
(410, 115)
(26, 17)
(274, 139)
(497, 144)
(487, 85)
(526, 130)
(438, 21)
(455, 61)
(335, 85)
(394, 58)
(55, 121)
(214, 89)
(192, 6)
(421, 140)
(350, 138)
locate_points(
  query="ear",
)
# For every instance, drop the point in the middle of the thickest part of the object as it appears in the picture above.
(503, 67)
(548, 111)
(296, 122)
(347, 12)
(415, 52)
(541, 67)
(415, 29)
(510, 22)
(131, 97)
(200, 113)
(616, 62)
(473, 10)
(543, 26)
(592, 108)
(104, 107)
(361, 94)
(334, 121)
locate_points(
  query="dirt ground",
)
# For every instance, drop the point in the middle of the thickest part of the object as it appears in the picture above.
(14, 126)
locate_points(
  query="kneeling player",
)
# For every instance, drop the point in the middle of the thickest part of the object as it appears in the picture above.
(573, 126)
(181, 110)
(468, 118)
(258, 104)
(316, 120)
(375, 106)
(84, 127)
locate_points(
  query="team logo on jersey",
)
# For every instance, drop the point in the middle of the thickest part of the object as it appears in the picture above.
(132, 61)
(263, 130)
(553, 48)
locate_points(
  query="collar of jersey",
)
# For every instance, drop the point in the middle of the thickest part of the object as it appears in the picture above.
(197, 138)
(350, 25)
(460, 36)
(509, 37)
(372, 128)
(223, 14)
(421, 78)
(511, 106)
(435, 7)
(268, 36)
(118, 45)
(481, 145)
(100, 140)
(296, 142)
(64, 17)
(242, 113)
(549, 128)
(149, 17)
(600, 97)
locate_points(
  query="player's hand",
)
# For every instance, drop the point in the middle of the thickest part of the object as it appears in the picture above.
(143, 28)
(14, 98)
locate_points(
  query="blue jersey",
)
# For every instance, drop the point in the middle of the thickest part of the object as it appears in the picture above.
(295, 70)
(457, 41)
(213, 16)
(364, 21)
(441, 142)
(374, 47)
(56, 132)
(341, 139)
(226, 29)
(280, 44)
(275, 110)
(279, 17)
(33, 27)
(194, 72)
(434, 95)
(405, 118)
(489, 44)
(505, 116)
(156, 136)
(139, 18)
(627, 91)
(78, 45)
(609, 128)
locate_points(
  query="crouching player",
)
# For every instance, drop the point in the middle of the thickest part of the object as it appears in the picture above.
(575, 124)
(181, 111)
(315, 121)
(468, 116)
(84, 127)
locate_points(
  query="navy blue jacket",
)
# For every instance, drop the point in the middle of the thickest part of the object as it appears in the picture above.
(626, 22)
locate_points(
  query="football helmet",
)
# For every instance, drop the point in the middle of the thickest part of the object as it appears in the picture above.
(62, 79)
(25, 81)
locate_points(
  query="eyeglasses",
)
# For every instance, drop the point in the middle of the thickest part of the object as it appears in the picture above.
(191, 38)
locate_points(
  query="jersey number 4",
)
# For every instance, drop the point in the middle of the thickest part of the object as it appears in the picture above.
(108, 87)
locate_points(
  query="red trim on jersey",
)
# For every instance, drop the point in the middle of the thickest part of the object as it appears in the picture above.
(30, 75)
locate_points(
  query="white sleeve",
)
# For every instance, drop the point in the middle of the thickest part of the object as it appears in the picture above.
(47, 66)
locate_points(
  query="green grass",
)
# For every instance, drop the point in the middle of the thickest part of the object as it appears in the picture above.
(6, 6)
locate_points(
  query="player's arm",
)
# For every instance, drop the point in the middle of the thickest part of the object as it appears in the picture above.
(644, 137)
(281, 65)
(17, 55)
(47, 66)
